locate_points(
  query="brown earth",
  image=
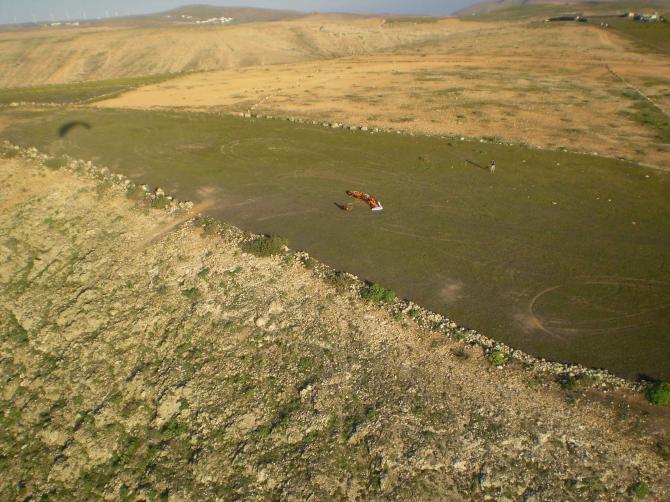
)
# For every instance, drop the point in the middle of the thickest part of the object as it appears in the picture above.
(558, 85)
(66, 54)
(137, 364)
(550, 86)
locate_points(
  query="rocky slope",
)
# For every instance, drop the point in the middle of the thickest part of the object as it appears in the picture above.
(144, 355)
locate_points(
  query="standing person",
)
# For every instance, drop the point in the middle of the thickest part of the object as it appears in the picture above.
(492, 167)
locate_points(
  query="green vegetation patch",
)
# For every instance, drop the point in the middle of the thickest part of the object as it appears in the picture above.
(577, 382)
(640, 490)
(210, 226)
(82, 92)
(652, 117)
(659, 393)
(342, 281)
(160, 202)
(13, 330)
(265, 246)
(650, 37)
(377, 293)
(663, 450)
(7, 153)
(461, 353)
(55, 163)
(135, 192)
(192, 294)
(497, 358)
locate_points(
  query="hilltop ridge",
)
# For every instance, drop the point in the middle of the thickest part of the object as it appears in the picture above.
(238, 14)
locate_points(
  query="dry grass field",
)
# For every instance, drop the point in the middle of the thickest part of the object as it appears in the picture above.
(138, 48)
(521, 84)
(550, 85)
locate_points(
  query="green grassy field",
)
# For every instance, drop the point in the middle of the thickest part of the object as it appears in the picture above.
(81, 92)
(563, 255)
(530, 11)
(654, 37)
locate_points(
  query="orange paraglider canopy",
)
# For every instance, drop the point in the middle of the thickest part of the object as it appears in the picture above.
(374, 204)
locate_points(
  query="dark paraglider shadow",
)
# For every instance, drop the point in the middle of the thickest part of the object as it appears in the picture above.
(641, 377)
(67, 127)
(343, 207)
(477, 165)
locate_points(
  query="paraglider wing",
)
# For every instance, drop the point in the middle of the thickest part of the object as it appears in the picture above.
(374, 204)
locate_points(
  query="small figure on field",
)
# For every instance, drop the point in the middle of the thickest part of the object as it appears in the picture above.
(492, 167)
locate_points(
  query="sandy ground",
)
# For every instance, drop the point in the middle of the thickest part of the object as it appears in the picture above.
(508, 81)
(139, 364)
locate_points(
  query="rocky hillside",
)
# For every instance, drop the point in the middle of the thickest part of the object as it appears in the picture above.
(147, 354)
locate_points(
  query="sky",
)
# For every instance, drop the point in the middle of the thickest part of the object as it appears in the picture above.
(21, 11)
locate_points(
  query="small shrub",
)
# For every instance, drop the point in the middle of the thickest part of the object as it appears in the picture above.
(265, 246)
(418, 409)
(640, 490)
(461, 353)
(160, 202)
(102, 188)
(342, 281)
(659, 393)
(309, 263)
(55, 163)
(572, 382)
(8, 153)
(173, 428)
(663, 450)
(135, 192)
(209, 225)
(192, 294)
(497, 358)
(377, 293)
(305, 363)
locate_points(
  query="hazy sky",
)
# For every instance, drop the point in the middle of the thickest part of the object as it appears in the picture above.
(45, 10)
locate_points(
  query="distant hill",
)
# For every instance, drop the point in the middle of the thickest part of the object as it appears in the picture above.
(519, 9)
(238, 14)
(167, 43)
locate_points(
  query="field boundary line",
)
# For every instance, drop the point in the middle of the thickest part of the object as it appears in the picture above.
(631, 86)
